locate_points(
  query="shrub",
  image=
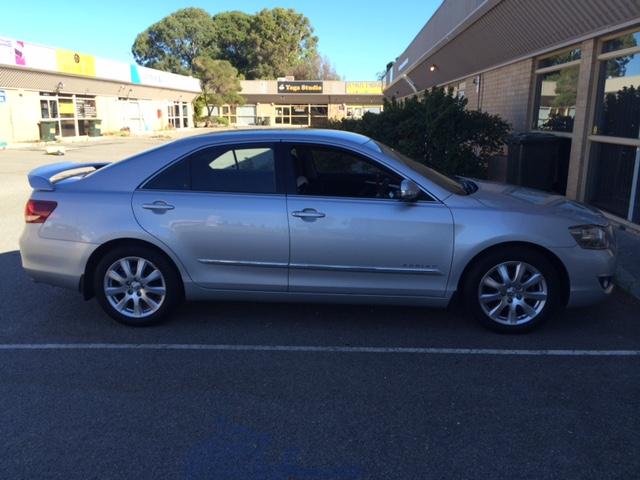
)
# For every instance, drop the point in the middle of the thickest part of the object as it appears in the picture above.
(221, 121)
(435, 129)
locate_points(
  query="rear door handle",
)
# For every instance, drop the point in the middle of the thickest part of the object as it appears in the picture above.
(158, 206)
(308, 213)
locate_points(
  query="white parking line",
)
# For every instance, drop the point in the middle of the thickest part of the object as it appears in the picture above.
(319, 349)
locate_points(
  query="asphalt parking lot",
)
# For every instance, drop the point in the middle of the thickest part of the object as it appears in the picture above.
(284, 391)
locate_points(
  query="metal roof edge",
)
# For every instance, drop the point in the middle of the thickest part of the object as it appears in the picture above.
(465, 23)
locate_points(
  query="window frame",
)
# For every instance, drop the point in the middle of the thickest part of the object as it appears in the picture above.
(595, 136)
(538, 75)
(279, 173)
(291, 188)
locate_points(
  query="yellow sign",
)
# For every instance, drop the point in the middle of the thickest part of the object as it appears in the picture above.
(75, 63)
(364, 88)
(66, 108)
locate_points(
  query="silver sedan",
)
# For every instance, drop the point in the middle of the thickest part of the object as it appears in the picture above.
(311, 216)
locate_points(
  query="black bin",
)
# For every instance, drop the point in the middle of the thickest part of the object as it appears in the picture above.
(95, 128)
(47, 131)
(540, 161)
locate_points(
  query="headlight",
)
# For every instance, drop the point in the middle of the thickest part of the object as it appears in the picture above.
(593, 237)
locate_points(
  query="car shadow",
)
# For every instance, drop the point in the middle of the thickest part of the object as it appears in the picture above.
(32, 311)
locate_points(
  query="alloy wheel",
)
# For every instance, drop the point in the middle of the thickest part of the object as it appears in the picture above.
(513, 293)
(134, 287)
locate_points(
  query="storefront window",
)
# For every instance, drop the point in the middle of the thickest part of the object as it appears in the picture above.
(613, 171)
(628, 40)
(559, 59)
(556, 92)
(615, 157)
(619, 95)
(71, 115)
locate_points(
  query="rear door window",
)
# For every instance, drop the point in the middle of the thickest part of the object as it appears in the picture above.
(234, 169)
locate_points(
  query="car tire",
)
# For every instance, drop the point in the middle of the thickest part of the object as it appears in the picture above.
(512, 290)
(136, 285)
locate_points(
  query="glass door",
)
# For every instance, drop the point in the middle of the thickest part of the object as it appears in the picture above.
(67, 111)
(283, 115)
(49, 111)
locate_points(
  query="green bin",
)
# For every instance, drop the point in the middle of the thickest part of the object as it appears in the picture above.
(95, 128)
(47, 131)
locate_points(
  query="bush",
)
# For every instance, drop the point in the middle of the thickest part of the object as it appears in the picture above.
(435, 129)
(221, 121)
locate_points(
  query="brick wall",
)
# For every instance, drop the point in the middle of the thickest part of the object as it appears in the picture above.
(506, 91)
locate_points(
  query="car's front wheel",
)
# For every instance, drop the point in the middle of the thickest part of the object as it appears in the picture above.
(136, 285)
(512, 290)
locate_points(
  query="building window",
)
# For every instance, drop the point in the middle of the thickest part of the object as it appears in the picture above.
(358, 111)
(302, 114)
(614, 171)
(614, 167)
(178, 114)
(71, 115)
(556, 91)
(457, 89)
(619, 91)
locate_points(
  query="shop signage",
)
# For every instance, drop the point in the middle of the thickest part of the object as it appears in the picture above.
(75, 63)
(299, 87)
(364, 88)
(23, 54)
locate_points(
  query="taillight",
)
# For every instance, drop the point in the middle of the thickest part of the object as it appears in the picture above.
(37, 211)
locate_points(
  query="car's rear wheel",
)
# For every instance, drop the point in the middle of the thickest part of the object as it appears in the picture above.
(136, 285)
(512, 290)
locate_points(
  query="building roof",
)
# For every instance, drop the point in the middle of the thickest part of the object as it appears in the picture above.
(21, 55)
(465, 37)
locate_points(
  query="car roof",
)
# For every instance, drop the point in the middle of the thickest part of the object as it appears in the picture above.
(272, 134)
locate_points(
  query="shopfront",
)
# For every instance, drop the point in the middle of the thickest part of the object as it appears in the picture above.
(307, 103)
(67, 114)
(48, 93)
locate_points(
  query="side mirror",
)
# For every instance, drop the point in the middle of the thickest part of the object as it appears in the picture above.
(409, 191)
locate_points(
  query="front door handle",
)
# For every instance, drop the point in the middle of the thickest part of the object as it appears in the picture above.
(308, 213)
(158, 206)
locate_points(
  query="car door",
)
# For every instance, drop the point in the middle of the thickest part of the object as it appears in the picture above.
(350, 233)
(223, 214)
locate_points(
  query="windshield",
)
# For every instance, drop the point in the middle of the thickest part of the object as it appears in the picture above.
(448, 183)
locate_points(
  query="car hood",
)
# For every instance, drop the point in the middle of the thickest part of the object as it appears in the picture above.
(516, 198)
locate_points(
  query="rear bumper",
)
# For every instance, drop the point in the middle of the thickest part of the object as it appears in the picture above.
(588, 270)
(56, 262)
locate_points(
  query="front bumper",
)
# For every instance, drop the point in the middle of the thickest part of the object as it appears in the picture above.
(590, 274)
(56, 262)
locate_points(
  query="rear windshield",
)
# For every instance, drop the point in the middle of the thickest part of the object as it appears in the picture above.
(444, 181)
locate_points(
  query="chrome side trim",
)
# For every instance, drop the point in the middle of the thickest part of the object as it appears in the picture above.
(334, 268)
(350, 268)
(243, 263)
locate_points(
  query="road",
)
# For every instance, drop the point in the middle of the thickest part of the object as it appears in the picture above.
(281, 391)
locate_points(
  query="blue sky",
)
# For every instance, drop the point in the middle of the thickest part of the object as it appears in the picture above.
(359, 36)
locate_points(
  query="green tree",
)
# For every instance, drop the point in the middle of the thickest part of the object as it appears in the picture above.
(272, 43)
(279, 40)
(231, 32)
(318, 67)
(174, 42)
(220, 84)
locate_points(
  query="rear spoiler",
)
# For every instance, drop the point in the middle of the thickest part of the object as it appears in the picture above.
(40, 178)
